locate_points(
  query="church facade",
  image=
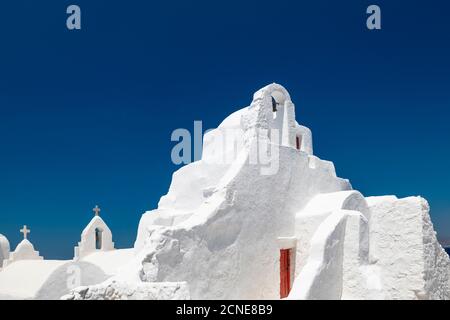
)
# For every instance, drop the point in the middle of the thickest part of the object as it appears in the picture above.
(276, 222)
(95, 237)
(260, 216)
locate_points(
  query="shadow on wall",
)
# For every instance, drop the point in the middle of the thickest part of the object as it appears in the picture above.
(69, 276)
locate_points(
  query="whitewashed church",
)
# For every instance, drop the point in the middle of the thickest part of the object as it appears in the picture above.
(258, 217)
(24, 274)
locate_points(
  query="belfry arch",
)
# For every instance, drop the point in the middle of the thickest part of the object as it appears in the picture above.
(95, 237)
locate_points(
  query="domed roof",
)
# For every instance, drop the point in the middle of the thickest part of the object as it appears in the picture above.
(4, 248)
(24, 245)
(24, 251)
(3, 241)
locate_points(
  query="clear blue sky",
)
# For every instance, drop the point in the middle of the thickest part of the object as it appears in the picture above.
(86, 116)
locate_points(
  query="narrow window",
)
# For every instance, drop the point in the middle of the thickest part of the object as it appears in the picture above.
(98, 239)
(298, 142)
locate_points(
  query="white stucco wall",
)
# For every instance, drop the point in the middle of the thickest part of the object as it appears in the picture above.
(359, 277)
(322, 276)
(113, 290)
(309, 218)
(46, 279)
(412, 263)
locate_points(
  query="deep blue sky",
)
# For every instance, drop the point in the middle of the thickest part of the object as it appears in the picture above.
(86, 116)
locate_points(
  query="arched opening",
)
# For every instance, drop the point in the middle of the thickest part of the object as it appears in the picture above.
(98, 238)
(278, 99)
(274, 105)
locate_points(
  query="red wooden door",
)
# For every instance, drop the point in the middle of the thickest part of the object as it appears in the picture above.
(285, 272)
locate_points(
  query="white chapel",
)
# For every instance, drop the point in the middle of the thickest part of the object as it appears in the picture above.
(25, 274)
(24, 250)
(95, 237)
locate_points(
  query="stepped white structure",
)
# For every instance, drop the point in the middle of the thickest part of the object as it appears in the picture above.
(261, 217)
(258, 217)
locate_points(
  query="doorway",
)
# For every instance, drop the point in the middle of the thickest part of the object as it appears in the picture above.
(285, 272)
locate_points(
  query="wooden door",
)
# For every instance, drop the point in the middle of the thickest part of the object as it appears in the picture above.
(285, 272)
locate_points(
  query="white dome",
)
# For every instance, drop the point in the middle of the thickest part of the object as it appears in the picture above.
(4, 249)
(24, 245)
(4, 241)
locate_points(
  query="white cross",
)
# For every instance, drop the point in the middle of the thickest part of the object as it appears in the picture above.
(96, 210)
(25, 231)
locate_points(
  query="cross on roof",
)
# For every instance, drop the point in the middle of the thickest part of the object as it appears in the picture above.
(96, 210)
(25, 231)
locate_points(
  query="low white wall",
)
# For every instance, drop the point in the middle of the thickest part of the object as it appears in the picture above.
(322, 276)
(317, 210)
(113, 290)
(60, 282)
(412, 263)
(46, 279)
